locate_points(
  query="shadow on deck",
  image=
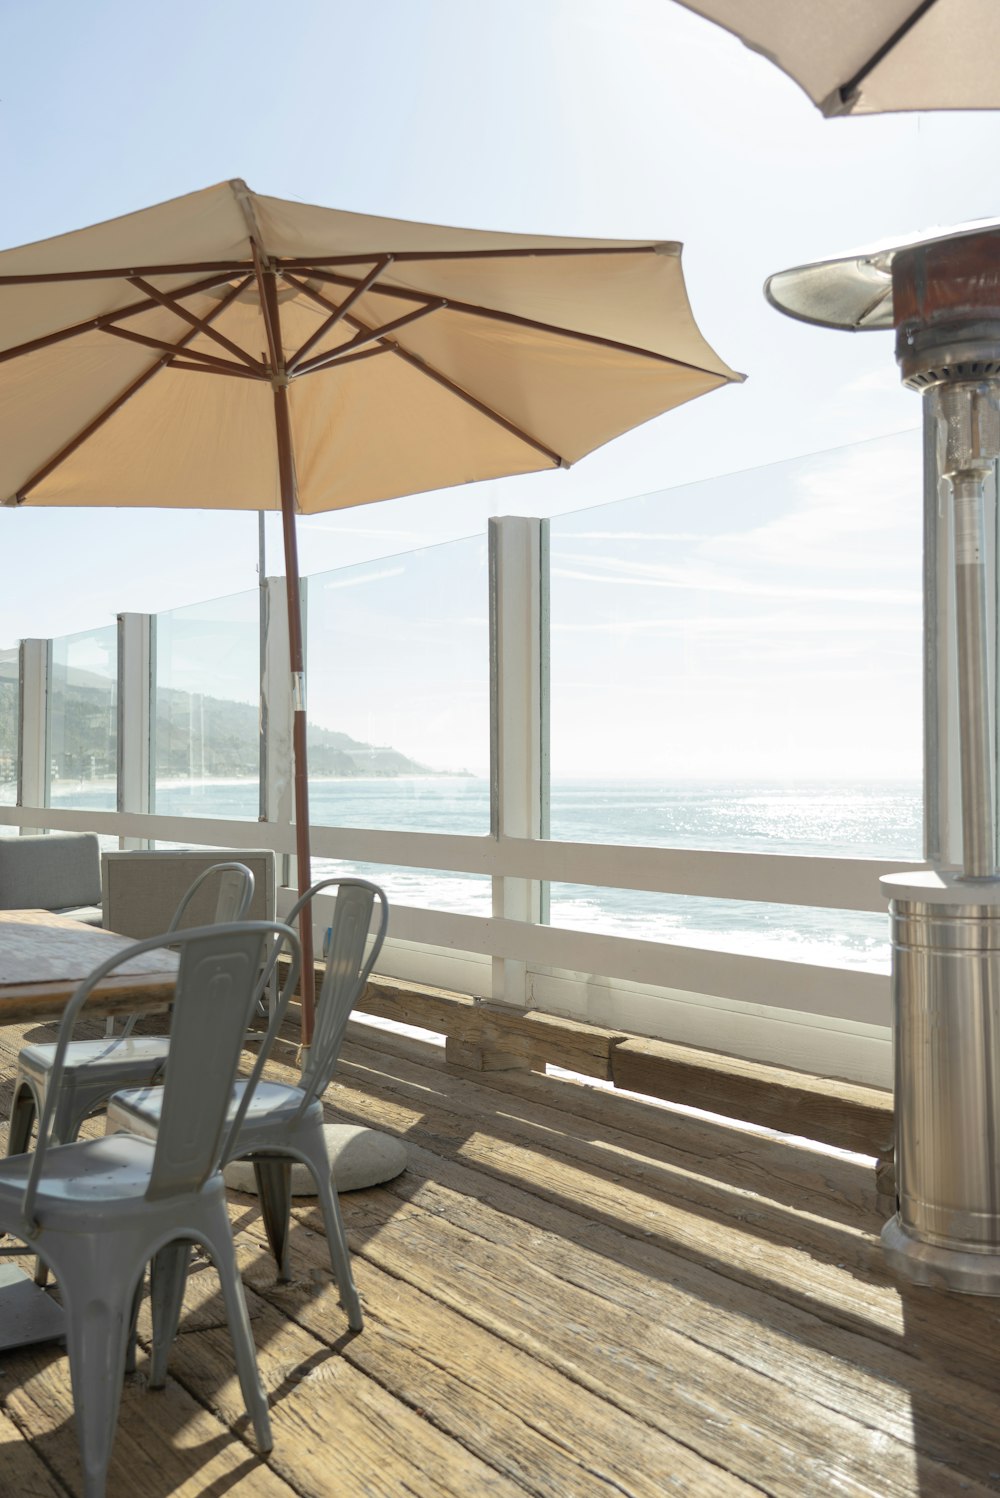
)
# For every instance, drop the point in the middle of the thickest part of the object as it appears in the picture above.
(567, 1292)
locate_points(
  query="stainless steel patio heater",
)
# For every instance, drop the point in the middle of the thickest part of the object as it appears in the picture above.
(942, 296)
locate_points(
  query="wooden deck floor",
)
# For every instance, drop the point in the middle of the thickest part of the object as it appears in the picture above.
(567, 1293)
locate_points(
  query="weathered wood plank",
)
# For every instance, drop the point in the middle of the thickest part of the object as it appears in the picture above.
(22, 1470)
(840, 1276)
(883, 1386)
(382, 1442)
(814, 1180)
(536, 1427)
(742, 1416)
(531, 1034)
(471, 1057)
(606, 1177)
(839, 1113)
(165, 1443)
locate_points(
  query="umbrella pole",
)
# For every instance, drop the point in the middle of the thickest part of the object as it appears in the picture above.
(296, 655)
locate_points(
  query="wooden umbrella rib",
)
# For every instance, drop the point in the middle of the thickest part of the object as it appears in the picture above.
(474, 309)
(89, 430)
(231, 372)
(198, 323)
(442, 379)
(337, 313)
(527, 253)
(365, 353)
(464, 395)
(847, 91)
(268, 294)
(217, 366)
(103, 416)
(105, 318)
(367, 335)
(223, 268)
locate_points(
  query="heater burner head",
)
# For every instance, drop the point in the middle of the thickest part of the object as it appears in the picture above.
(859, 292)
(946, 308)
(949, 353)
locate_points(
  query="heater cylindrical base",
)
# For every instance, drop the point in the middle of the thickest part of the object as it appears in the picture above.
(939, 1268)
(946, 1041)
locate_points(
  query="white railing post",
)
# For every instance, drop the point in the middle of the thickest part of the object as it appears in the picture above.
(276, 785)
(33, 766)
(136, 721)
(518, 717)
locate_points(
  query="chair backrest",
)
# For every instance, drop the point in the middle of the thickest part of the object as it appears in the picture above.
(214, 996)
(348, 969)
(142, 888)
(234, 894)
(214, 1001)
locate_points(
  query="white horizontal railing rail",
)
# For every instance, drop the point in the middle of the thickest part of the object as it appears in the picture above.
(831, 883)
(770, 878)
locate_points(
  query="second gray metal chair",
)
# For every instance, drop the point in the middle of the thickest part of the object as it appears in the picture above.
(284, 1123)
(93, 1069)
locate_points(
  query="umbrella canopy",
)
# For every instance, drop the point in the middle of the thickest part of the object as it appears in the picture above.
(233, 351)
(136, 367)
(874, 56)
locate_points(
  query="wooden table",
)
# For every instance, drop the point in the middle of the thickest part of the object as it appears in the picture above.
(43, 957)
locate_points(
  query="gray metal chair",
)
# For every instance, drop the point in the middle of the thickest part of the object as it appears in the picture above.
(285, 1123)
(93, 1069)
(99, 1210)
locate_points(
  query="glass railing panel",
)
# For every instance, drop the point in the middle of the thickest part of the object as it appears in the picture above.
(207, 709)
(852, 939)
(83, 720)
(736, 664)
(398, 670)
(9, 727)
(430, 889)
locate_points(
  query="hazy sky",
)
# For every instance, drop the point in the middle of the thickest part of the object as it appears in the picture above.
(619, 118)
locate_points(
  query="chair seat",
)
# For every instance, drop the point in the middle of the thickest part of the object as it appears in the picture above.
(116, 1168)
(142, 1054)
(137, 1110)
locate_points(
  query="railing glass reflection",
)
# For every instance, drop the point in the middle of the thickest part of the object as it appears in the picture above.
(83, 720)
(9, 727)
(736, 665)
(398, 667)
(206, 739)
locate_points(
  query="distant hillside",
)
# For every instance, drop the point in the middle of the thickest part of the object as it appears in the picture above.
(195, 735)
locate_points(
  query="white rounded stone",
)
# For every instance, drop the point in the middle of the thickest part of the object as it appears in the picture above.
(359, 1157)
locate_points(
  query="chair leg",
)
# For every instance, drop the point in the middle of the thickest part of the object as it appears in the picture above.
(220, 1246)
(98, 1298)
(167, 1280)
(340, 1254)
(133, 1332)
(273, 1174)
(23, 1113)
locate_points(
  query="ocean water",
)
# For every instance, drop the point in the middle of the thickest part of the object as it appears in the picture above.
(847, 819)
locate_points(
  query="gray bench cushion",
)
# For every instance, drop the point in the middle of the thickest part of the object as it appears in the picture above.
(59, 871)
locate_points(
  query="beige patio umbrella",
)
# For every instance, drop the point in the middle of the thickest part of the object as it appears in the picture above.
(874, 56)
(226, 350)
